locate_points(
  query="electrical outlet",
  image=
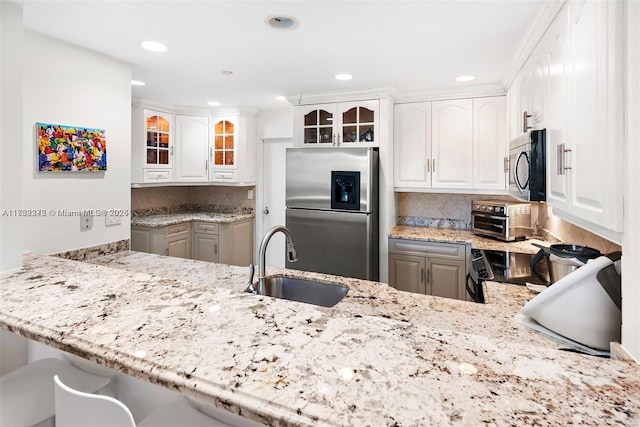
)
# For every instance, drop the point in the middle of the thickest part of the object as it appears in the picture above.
(86, 222)
(112, 220)
(250, 194)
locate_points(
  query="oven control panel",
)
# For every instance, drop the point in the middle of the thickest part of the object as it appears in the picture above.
(479, 264)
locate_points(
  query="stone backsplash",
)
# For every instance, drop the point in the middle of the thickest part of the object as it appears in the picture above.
(161, 200)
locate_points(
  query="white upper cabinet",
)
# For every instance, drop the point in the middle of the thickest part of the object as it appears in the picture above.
(233, 149)
(452, 137)
(352, 124)
(489, 143)
(456, 145)
(178, 147)
(557, 101)
(152, 146)
(580, 102)
(412, 145)
(192, 147)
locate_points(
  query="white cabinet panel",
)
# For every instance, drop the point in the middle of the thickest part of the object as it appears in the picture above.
(412, 148)
(192, 147)
(489, 143)
(452, 138)
(343, 124)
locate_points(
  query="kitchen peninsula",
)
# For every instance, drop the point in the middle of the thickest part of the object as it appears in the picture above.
(379, 357)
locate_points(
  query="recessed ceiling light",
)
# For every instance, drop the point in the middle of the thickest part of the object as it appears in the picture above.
(343, 76)
(282, 22)
(465, 78)
(137, 83)
(281, 98)
(226, 72)
(214, 103)
(154, 46)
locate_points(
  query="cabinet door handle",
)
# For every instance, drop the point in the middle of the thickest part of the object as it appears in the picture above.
(525, 122)
(338, 139)
(215, 249)
(433, 168)
(171, 151)
(506, 164)
(562, 161)
(428, 274)
(206, 164)
(421, 275)
(428, 165)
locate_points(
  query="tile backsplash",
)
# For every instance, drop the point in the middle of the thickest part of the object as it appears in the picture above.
(454, 211)
(215, 198)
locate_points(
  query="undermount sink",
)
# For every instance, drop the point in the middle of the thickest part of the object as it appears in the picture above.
(303, 290)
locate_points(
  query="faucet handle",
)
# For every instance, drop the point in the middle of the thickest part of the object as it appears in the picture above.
(250, 287)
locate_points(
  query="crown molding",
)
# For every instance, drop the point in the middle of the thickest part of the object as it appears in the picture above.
(532, 38)
(188, 110)
(452, 93)
(306, 98)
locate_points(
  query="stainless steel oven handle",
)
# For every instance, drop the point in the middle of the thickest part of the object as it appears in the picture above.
(516, 178)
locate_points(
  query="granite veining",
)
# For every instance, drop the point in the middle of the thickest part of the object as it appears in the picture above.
(91, 252)
(416, 221)
(161, 220)
(450, 235)
(379, 357)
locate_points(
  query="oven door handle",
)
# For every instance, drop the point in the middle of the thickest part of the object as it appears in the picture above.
(475, 296)
(516, 178)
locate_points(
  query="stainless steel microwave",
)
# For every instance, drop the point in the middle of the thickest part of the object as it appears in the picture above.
(527, 166)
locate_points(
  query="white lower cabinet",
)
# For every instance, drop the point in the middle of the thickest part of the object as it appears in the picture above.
(431, 268)
(205, 241)
(226, 243)
(172, 240)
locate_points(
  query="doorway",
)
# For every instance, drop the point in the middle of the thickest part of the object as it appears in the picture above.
(270, 210)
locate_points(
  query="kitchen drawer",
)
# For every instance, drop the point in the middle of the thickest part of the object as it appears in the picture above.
(156, 175)
(205, 227)
(177, 229)
(224, 176)
(453, 251)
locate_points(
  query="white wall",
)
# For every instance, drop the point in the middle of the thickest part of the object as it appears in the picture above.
(631, 242)
(68, 85)
(276, 123)
(10, 132)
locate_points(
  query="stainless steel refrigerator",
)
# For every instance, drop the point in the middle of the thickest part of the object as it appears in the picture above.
(332, 210)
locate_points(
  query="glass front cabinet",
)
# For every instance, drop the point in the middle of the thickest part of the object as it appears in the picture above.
(158, 127)
(334, 125)
(232, 148)
(189, 146)
(152, 146)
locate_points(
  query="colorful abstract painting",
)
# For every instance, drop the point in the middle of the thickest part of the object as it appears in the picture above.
(70, 148)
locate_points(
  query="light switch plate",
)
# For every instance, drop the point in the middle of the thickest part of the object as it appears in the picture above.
(112, 220)
(250, 194)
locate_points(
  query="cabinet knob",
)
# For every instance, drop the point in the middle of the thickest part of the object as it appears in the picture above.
(266, 210)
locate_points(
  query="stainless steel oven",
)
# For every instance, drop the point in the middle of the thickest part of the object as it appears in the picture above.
(501, 266)
(501, 220)
(527, 166)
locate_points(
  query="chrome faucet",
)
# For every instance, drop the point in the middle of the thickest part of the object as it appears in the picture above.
(292, 255)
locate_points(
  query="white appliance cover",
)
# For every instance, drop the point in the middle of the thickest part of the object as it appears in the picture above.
(578, 308)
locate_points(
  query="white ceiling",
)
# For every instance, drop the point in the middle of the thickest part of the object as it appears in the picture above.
(408, 45)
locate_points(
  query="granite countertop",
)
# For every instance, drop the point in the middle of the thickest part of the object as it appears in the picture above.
(379, 357)
(161, 220)
(450, 235)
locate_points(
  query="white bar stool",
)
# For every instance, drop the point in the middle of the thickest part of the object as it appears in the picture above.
(27, 393)
(77, 409)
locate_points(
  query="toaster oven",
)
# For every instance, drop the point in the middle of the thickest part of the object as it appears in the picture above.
(508, 221)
